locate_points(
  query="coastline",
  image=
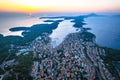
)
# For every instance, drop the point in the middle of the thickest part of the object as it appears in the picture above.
(77, 57)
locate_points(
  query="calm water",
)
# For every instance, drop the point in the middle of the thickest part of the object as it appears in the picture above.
(64, 28)
(24, 21)
(106, 29)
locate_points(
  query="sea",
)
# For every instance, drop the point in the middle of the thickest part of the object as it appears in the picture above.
(105, 28)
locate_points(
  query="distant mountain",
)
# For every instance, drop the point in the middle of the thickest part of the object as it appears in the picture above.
(94, 15)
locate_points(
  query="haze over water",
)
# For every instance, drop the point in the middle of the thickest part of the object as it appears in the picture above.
(17, 21)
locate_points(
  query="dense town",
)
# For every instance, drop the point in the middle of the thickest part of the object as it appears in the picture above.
(73, 59)
(76, 58)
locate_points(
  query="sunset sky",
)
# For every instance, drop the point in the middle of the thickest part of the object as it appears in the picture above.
(32, 6)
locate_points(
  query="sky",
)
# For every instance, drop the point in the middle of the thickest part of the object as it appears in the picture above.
(32, 6)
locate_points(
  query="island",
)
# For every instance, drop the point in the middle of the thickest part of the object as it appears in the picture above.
(78, 57)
